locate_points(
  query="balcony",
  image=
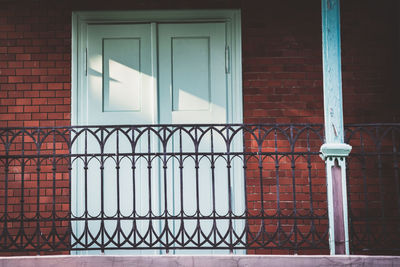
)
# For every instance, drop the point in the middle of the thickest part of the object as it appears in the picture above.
(255, 189)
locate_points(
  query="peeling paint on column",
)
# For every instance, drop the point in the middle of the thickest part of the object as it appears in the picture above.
(332, 71)
(334, 149)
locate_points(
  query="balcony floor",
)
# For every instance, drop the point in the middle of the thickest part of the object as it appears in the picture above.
(215, 260)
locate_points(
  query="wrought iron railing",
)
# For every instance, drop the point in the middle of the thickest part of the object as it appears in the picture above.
(373, 186)
(163, 187)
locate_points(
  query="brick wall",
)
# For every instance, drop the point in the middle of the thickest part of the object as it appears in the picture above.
(370, 57)
(34, 65)
(282, 71)
(282, 63)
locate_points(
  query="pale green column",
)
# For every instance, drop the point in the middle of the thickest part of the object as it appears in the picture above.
(334, 151)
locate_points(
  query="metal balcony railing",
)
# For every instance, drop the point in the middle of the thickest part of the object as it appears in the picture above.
(241, 188)
(373, 186)
(226, 187)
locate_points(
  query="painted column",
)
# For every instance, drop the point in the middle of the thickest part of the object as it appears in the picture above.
(334, 151)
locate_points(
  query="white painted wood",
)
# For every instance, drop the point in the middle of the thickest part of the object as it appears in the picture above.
(94, 101)
(231, 18)
(193, 89)
(333, 109)
(119, 74)
(117, 54)
(192, 77)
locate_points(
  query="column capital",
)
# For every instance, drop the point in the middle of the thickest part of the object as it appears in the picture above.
(334, 150)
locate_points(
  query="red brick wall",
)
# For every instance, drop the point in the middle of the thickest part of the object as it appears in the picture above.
(34, 65)
(370, 59)
(282, 63)
(282, 77)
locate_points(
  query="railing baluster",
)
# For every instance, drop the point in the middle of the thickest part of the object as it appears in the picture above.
(196, 166)
(364, 170)
(53, 223)
(278, 200)
(38, 163)
(214, 226)
(246, 214)
(6, 233)
(309, 168)
(134, 143)
(260, 169)
(182, 211)
(230, 200)
(164, 166)
(117, 166)
(21, 230)
(69, 216)
(149, 185)
(396, 167)
(102, 226)
(293, 167)
(86, 211)
(381, 184)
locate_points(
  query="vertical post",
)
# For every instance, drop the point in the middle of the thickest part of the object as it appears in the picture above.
(334, 151)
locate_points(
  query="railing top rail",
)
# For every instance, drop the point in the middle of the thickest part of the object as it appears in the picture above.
(390, 124)
(173, 125)
(202, 125)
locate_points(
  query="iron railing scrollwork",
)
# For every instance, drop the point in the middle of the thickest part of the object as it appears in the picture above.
(373, 187)
(171, 187)
(162, 187)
